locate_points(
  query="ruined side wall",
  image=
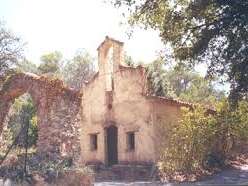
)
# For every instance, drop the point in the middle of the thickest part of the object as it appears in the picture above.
(166, 116)
(57, 111)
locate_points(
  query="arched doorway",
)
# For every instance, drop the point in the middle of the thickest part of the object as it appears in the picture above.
(111, 145)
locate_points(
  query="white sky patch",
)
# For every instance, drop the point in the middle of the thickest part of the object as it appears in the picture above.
(66, 26)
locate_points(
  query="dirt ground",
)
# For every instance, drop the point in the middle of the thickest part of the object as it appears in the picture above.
(236, 174)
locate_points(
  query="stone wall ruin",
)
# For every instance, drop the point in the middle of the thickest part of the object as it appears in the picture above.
(57, 112)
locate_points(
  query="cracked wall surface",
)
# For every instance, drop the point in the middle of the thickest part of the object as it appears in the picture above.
(57, 111)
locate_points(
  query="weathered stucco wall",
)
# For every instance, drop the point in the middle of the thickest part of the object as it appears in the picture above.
(129, 111)
(133, 113)
(57, 111)
(166, 115)
(125, 106)
(116, 96)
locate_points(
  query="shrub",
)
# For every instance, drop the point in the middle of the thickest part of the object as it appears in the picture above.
(203, 140)
(190, 141)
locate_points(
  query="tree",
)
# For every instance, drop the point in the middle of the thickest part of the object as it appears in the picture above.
(129, 60)
(181, 83)
(22, 112)
(157, 82)
(26, 66)
(181, 79)
(188, 85)
(213, 32)
(203, 140)
(10, 50)
(50, 63)
(78, 70)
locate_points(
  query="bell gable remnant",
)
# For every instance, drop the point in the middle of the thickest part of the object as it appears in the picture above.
(111, 121)
(119, 112)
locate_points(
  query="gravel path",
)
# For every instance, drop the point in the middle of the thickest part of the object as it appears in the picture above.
(226, 177)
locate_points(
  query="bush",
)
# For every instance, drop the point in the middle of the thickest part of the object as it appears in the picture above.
(190, 141)
(203, 140)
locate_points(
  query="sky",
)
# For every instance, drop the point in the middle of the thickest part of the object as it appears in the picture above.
(70, 25)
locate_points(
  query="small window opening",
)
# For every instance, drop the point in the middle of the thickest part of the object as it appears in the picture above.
(93, 142)
(130, 141)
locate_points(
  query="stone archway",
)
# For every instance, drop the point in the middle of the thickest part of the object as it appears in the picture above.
(57, 111)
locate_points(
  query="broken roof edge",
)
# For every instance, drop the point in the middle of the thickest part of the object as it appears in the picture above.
(126, 67)
(179, 102)
(111, 39)
(131, 67)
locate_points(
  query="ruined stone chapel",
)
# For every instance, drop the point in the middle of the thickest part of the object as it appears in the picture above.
(112, 120)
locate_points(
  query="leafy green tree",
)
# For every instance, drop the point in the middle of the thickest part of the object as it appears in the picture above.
(181, 79)
(23, 112)
(79, 70)
(10, 50)
(213, 32)
(129, 60)
(27, 66)
(188, 85)
(189, 142)
(158, 85)
(182, 83)
(50, 63)
(203, 140)
(202, 91)
(241, 121)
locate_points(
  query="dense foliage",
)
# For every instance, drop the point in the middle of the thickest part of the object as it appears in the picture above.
(204, 140)
(209, 32)
(27, 66)
(50, 63)
(157, 82)
(22, 114)
(213, 32)
(181, 83)
(78, 70)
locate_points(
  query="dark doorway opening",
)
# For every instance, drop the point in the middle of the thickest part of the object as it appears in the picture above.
(112, 145)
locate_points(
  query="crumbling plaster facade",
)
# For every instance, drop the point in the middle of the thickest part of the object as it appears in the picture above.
(113, 112)
(117, 96)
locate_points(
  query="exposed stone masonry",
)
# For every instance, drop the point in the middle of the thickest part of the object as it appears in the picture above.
(116, 97)
(57, 112)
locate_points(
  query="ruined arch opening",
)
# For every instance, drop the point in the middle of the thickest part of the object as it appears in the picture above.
(20, 125)
(57, 112)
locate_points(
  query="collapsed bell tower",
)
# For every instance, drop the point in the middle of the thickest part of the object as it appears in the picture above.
(110, 57)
